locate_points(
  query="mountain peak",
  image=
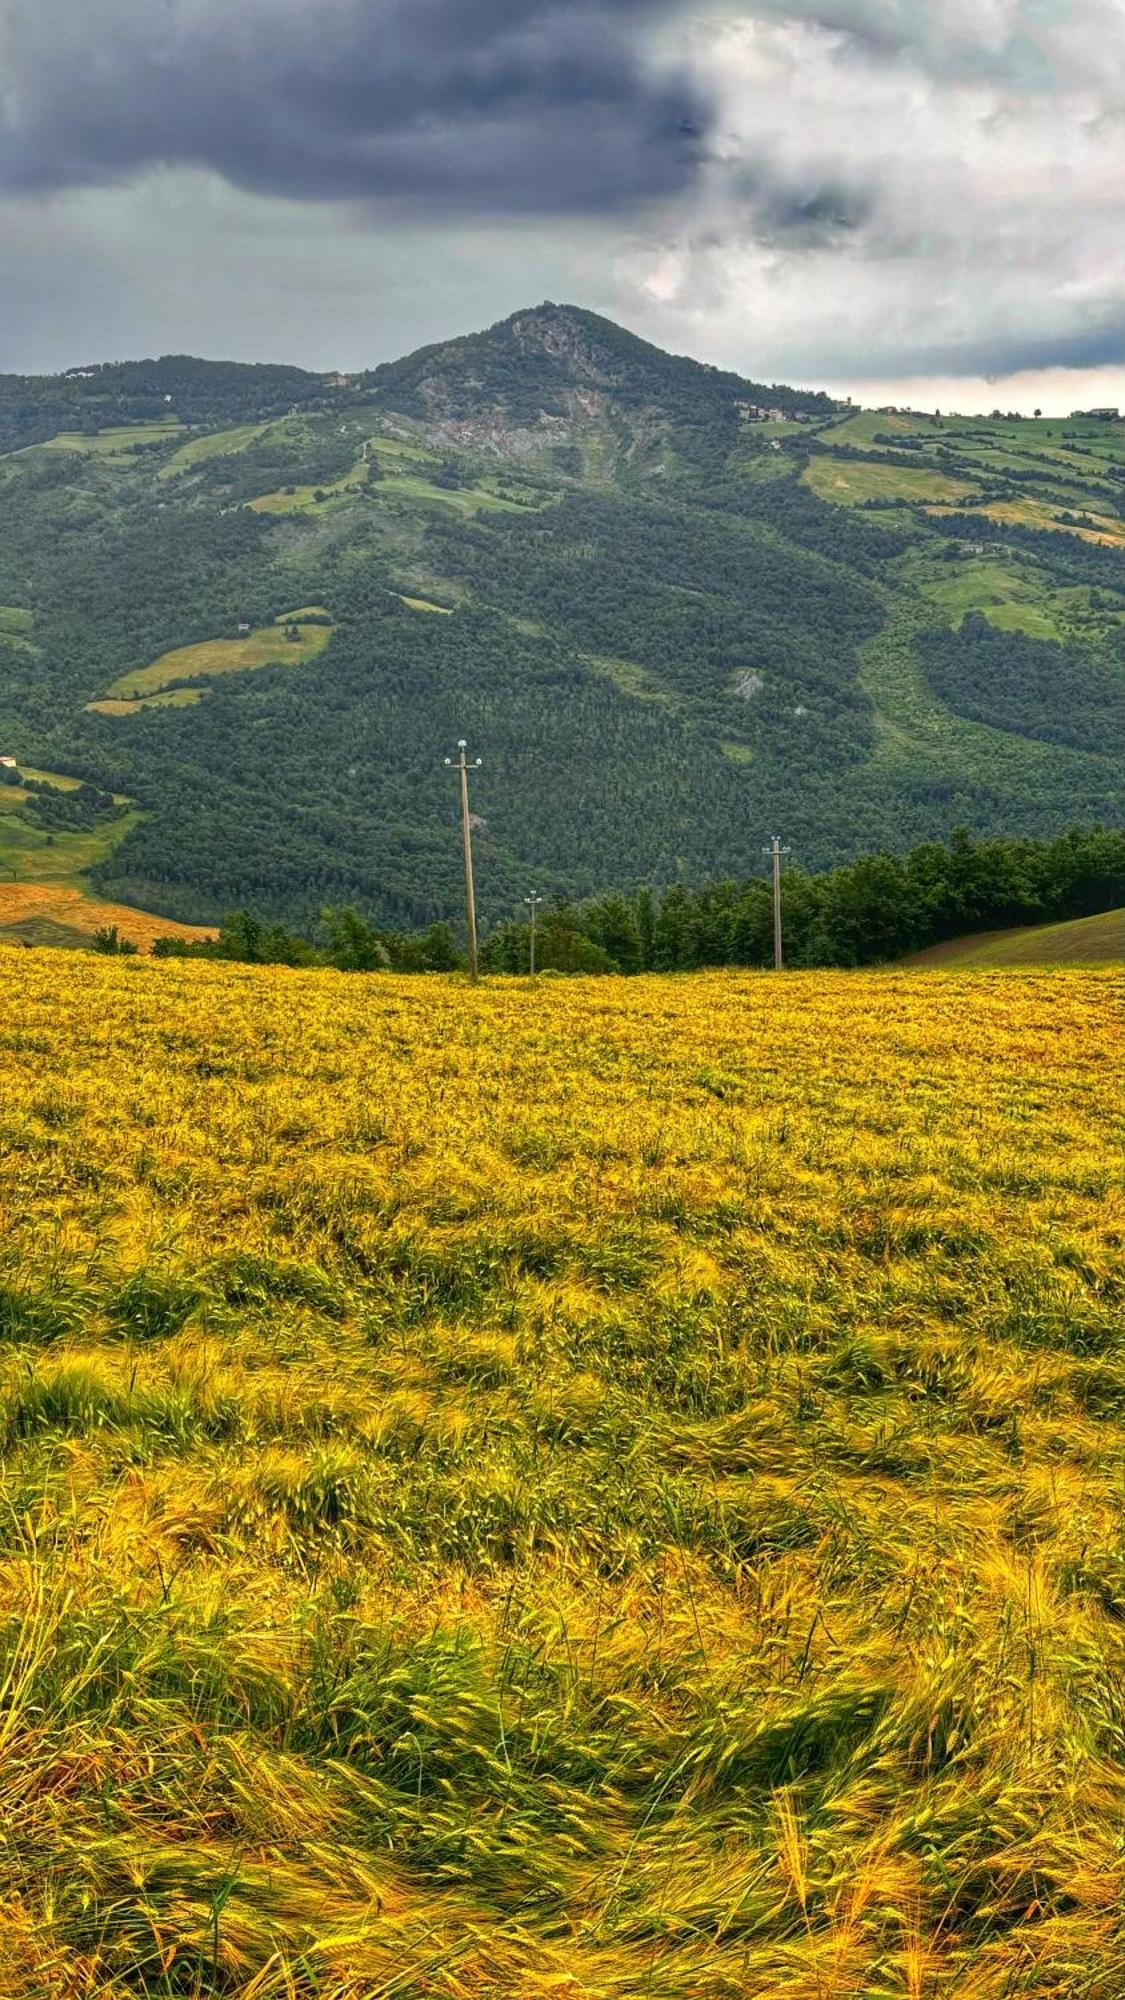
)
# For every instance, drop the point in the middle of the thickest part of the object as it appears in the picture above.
(570, 338)
(552, 363)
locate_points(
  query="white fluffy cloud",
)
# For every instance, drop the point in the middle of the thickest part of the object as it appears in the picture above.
(879, 205)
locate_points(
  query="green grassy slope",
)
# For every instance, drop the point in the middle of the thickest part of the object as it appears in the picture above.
(672, 626)
(1084, 941)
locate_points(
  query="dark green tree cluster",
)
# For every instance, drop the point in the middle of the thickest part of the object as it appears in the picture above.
(343, 940)
(1032, 687)
(58, 811)
(874, 909)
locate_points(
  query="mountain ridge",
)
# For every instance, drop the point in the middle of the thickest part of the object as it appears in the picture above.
(680, 608)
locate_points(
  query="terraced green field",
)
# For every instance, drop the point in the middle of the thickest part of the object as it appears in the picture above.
(1058, 467)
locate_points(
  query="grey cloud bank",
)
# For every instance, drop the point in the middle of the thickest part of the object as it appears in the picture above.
(493, 106)
(808, 189)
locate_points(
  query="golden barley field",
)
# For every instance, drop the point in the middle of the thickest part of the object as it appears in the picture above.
(610, 1490)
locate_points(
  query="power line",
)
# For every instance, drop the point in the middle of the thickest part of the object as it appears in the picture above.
(776, 851)
(533, 901)
(461, 765)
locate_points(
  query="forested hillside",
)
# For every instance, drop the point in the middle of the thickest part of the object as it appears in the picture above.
(671, 610)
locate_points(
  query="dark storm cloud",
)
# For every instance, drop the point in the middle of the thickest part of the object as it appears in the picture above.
(488, 106)
(1100, 346)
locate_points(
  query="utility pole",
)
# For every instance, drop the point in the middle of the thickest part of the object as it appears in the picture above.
(533, 901)
(462, 766)
(776, 851)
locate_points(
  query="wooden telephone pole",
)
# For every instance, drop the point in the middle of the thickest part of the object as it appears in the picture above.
(533, 901)
(461, 765)
(776, 851)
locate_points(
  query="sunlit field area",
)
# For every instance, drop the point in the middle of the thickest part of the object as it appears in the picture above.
(585, 1488)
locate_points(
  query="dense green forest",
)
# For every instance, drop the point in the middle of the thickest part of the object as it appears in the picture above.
(667, 625)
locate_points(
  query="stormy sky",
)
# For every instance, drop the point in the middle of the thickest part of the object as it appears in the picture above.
(918, 196)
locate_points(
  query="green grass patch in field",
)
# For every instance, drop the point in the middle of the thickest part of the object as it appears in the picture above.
(171, 698)
(914, 728)
(15, 625)
(314, 499)
(848, 485)
(267, 647)
(399, 449)
(29, 854)
(861, 430)
(118, 438)
(1013, 597)
(11, 795)
(424, 604)
(216, 444)
(761, 466)
(1083, 941)
(1027, 513)
(631, 677)
(58, 779)
(466, 500)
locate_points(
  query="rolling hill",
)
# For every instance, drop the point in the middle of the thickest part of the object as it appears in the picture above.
(1083, 941)
(680, 608)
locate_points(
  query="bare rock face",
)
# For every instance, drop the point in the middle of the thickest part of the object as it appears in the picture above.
(494, 437)
(750, 685)
(556, 376)
(562, 337)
